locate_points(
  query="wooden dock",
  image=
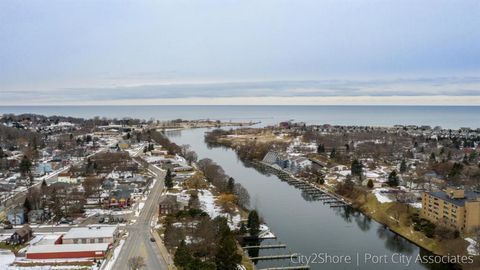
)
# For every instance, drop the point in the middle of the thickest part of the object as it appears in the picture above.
(300, 267)
(266, 246)
(274, 257)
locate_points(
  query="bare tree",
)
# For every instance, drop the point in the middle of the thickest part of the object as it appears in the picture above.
(136, 263)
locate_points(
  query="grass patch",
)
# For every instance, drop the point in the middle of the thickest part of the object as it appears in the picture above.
(400, 224)
(13, 248)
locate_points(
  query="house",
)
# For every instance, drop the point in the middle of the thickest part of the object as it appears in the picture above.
(67, 251)
(299, 163)
(120, 198)
(21, 236)
(43, 168)
(90, 235)
(276, 158)
(16, 216)
(67, 177)
(168, 205)
(37, 216)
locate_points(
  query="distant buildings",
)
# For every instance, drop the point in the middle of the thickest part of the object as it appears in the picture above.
(458, 209)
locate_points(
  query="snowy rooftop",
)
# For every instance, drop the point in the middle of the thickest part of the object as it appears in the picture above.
(67, 248)
(90, 232)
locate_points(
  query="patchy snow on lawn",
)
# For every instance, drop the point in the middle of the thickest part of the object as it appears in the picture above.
(116, 252)
(97, 211)
(382, 197)
(417, 205)
(6, 258)
(471, 249)
(207, 204)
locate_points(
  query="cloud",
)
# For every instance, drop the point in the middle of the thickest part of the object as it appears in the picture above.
(273, 92)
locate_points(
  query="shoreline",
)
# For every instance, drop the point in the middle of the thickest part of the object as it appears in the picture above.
(255, 164)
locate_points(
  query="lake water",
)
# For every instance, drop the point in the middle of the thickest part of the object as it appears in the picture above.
(309, 227)
(445, 116)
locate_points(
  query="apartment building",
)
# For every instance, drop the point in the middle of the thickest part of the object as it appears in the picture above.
(457, 208)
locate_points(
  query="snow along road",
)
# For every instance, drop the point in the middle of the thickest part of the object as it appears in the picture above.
(138, 241)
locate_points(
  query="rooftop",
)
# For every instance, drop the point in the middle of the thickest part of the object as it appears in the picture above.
(469, 196)
(67, 248)
(90, 232)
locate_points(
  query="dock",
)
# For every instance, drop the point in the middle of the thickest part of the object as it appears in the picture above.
(266, 246)
(300, 267)
(274, 257)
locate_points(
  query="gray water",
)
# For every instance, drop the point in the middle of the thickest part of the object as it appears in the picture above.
(308, 227)
(445, 116)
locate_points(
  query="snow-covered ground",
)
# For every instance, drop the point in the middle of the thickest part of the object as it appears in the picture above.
(116, 252)
(417, 205)
(6, 258)
(96, 211)
(207, 204)
(382, 197)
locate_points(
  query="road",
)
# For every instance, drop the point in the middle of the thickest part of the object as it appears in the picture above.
(138, 241)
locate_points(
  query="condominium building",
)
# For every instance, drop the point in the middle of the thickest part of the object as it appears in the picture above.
(457, 208)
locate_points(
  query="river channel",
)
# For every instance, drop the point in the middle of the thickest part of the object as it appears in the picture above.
(325, 236)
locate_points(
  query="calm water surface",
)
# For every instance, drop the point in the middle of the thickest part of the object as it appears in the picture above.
(307, 226)
(445, 116)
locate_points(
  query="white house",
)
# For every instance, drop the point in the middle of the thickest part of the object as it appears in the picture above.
(67, 178)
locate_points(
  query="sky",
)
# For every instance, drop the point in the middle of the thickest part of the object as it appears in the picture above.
(239, 52)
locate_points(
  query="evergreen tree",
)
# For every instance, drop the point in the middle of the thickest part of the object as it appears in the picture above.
(370, 183)
(227, 257)
(333, 154)
(403, 166)
(230, 185)
(27, 205)
(25, 165)
(320, 148)
(357, 168)
(243, 229)
(182, 256)
(168, 179)
(253, 223)
(393, 180)
(432, 157)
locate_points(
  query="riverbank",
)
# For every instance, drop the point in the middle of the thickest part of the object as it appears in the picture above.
(400, 224)
(190, 124)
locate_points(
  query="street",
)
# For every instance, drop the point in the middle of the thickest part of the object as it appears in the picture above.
(138, 241)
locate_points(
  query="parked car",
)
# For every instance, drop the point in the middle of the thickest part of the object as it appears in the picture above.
(7, 226)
